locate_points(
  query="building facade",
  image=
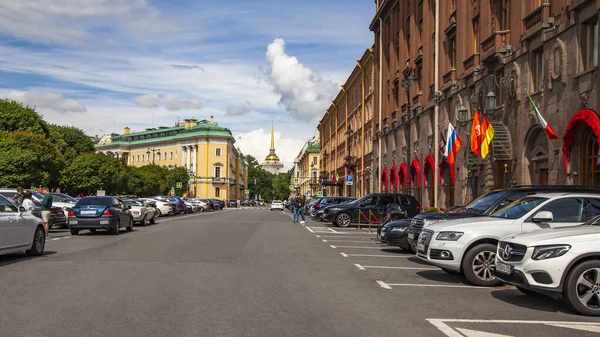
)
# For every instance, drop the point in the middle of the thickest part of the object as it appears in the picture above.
(346, 133)
(217, 168)
(272, 163)
(305, 173)
(490, 53)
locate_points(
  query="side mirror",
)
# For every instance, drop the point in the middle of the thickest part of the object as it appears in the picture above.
(543, 216)
(22, 209)
(128, 207)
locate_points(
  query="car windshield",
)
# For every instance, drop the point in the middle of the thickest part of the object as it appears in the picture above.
(277, 201)
(519, 208)
(66, 197)
(94, 201)
(485, 201)
(37, 195)
(133, 203)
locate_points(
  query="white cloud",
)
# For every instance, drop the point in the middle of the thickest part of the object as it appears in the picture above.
(48, 100)
(257, 142)
(303, 94)
(147, 101)
(238, 110)
(176, 103)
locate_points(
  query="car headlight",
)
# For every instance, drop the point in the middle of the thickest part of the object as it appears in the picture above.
(449, 236)
(398, 229)
(431, 222)
(548, 252)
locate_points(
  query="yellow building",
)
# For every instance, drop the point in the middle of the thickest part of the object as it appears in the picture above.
(217, 168)
(305, 176)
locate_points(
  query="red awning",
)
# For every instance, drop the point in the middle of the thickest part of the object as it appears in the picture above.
(428, 167)
(415, 172)
(394, 177)
(403, 175)
(582, 117)
(442, 168)
(385, 180)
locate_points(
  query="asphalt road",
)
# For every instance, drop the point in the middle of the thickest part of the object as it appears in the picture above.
(252, 272)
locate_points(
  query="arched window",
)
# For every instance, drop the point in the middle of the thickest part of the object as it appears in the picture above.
(589, 170)
(217, 192)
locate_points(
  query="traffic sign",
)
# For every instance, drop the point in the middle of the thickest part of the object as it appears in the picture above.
(320, 194)
(349, 180)
(247, 192)
(296, 181)
(192, 174)
(291, 187)
(172, 190)
(179, 185)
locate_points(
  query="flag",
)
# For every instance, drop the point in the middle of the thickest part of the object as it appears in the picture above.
(333, 179)
(453, 142)
(476, 134)
(337, 178)
(549, 131)
(487, 134)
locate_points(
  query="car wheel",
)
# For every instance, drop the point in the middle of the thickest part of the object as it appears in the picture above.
(158, 213)
(343, 220)
(144, 222)
(39, 242)
(153, 220)
(74, 231)
(479, 264)
(130, 227)
(582, 289)
(115, 231)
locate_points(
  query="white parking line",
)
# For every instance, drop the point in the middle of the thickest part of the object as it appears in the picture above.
(383, 285)
(361, 267)
(443, 326)
(441, 286)
(310, 229)
(344, 254)
(361, 236)
(375, 255)
(324, 240)
(357, 247)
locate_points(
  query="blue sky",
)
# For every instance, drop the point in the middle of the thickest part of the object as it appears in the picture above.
(102, 65)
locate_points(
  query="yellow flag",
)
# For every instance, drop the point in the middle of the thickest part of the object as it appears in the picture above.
(487, 130)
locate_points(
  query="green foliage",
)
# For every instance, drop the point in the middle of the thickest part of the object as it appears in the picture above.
(281, 186)
(267, 185)
(28, 159)
(181, 175)
(95, 171)
(71, 141)
(16, 117)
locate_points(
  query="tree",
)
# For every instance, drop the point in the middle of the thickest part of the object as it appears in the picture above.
(90, 172)
(260, 182)
(71, 141)
(178, 175)
(16, 117)
(281, 186)
(28, 159)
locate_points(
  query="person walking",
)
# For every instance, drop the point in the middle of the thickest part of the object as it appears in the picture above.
(18, 198)
(301, 202)
(46, 208)
(28, 202)
(295, 205)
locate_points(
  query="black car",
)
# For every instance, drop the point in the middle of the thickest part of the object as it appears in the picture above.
(232, 203)
(394, 234)
(372, 207)
(94, 213)
(317, 209)
(485, 205)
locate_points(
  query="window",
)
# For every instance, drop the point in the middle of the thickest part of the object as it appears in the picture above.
(504, 18)
(589, 45)
(452, 53)
(537, 69)
(592, 208)
(386, 200)
(589, 171)
(476, 36)
(314, 160)
(143, 158)
(218, 152)
(419, 76)
(6, 206)
(165, 156)
(519, 208)
(217, 192)
(218, 172)
(565, 210)
(369, 201)
(138, 158)
(171, 157)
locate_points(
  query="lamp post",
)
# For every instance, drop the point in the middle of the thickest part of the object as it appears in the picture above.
(409, 77)
(152, 150)
(349, 160)
(326, 173)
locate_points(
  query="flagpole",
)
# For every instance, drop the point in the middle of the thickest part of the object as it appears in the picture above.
(436, 107)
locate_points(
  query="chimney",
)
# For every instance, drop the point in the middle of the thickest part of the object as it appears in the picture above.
(186, 123)
(126, 130)
(193, 122)
(212, 120)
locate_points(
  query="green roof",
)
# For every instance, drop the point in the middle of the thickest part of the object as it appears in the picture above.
(314, 147)
(203, 129)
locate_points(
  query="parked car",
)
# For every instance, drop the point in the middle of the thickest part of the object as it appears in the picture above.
(189, 207)
(321, 203)
(484, 205)
(178, 202)
(58, 218)
(469, 245)
(372, 207)
(232, 203)
(94, 213)
(142, 212)
(556, 262)
(19, 230)
(202, 205)
(163, 208)
(175, 207)
(219, 204)
(394, 234)
(210, 205)
(277, 205)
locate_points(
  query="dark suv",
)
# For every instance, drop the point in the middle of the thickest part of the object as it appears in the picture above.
(317, 209)
(485, 205)
(373, 207)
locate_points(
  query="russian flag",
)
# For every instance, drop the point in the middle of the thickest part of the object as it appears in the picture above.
(453, 143)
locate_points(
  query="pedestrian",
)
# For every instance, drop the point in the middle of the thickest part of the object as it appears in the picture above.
(46, 208)
(28, 202)
(302, 202)
(18, 198)
(295, 206)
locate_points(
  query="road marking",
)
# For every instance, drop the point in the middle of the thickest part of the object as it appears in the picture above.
(391, 267)
(357, 247)
(344, 254)
(476, 333)
(364, 241)
(440, 286)
(443, 326)
(318, 236)
(375, 255)
(55, 239)
(324, 240)
(332, 246)
(590, 328)
(310, 229)
(383, 285)
(360, 236)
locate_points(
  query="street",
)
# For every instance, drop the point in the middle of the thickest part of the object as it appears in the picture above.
(252, 272)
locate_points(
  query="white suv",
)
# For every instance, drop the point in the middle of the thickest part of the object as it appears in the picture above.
(555, 261)
(469, 245)
(277, 204)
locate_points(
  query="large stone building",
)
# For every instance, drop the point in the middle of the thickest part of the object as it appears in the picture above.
(305, 173)
(351, 110)
(217, 168)
(272, 163)
(489, 52)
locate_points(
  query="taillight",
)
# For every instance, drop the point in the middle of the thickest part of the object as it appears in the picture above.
(418, 208)
(317, 206)
(71, 213)
(107, 213)
(53, 213)
(167, 205)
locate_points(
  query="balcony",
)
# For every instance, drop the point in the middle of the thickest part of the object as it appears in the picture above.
(450, 75)
(471, 61)
(219, 180)
(495, 43)
(534, 21)
(451, 29)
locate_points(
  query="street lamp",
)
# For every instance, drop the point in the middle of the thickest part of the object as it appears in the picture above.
(490, 102)
(350, 168)
(409, 77)
(463, 117)
(152, 150)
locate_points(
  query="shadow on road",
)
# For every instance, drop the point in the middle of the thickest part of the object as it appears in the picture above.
(442, 277)
(7, 260)
(85, 232)
(395, 251)
(539, 303)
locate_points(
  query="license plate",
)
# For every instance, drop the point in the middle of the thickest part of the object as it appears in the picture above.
(73, 222)
(104, 222)
(382, 235)
(89, 212)
(411, 236)
(503, 268)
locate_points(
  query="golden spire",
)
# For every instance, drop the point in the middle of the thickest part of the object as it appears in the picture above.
(273, 135)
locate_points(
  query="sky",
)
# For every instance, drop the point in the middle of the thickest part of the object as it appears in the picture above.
(101, 65)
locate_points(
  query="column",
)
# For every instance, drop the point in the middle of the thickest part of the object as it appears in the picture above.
(182, 156)
(194, 160)
(189, 156)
